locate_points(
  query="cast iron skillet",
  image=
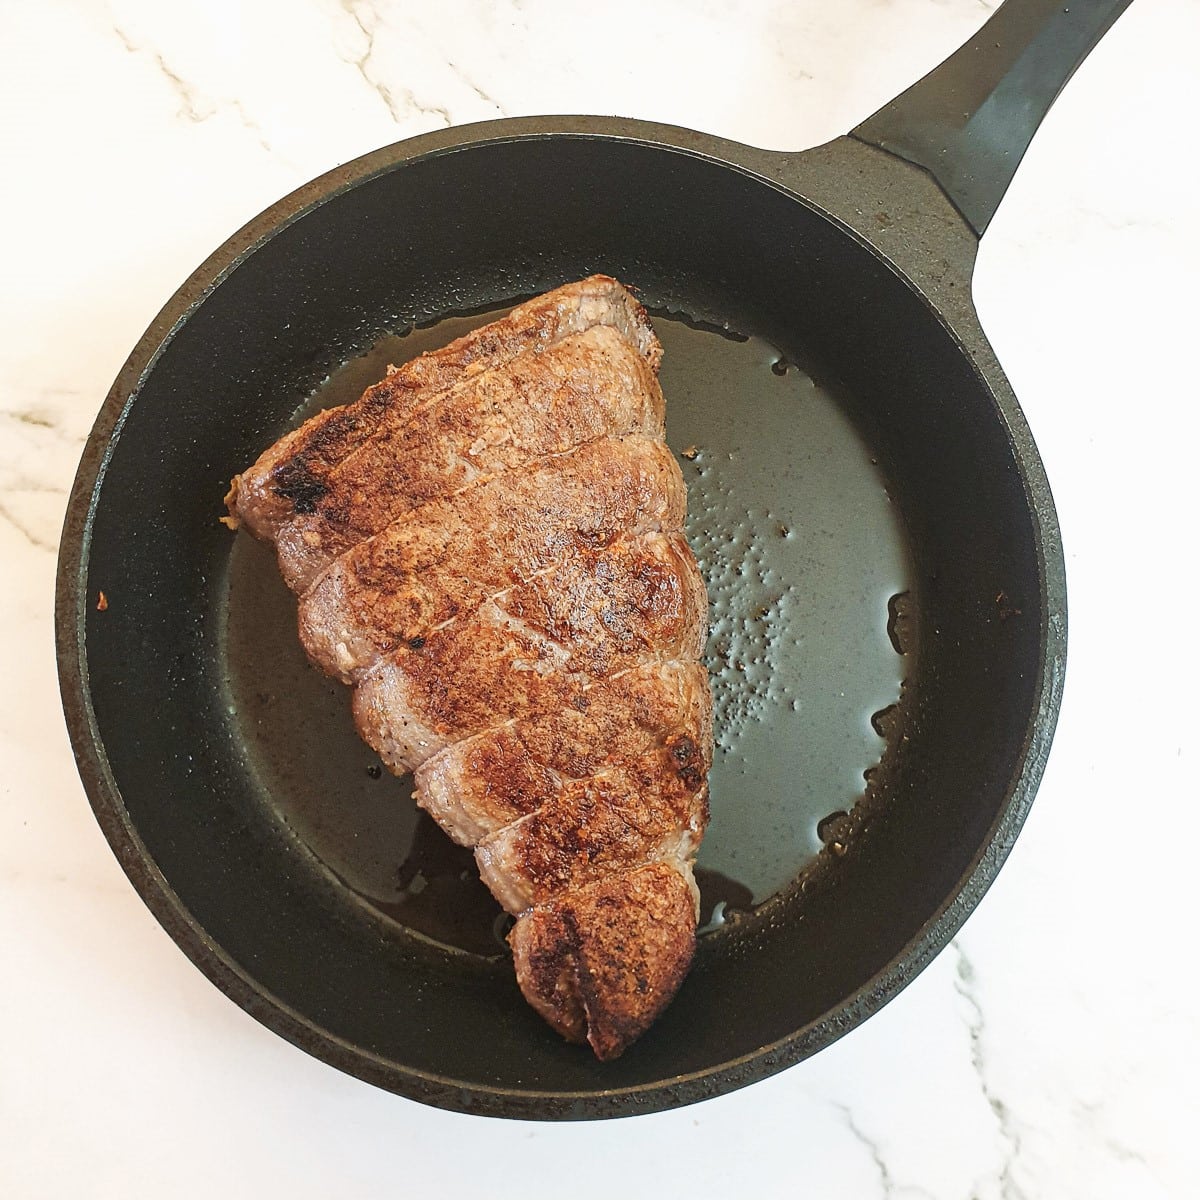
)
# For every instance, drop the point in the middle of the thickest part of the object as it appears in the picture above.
(852, 260)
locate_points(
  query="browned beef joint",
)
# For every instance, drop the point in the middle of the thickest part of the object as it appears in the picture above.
(489, 550)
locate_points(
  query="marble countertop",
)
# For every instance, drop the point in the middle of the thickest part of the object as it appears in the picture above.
(1053, 1049)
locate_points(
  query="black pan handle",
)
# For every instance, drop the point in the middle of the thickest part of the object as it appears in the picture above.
(970, 120)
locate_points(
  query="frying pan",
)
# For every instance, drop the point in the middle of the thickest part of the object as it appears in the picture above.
(226, 776)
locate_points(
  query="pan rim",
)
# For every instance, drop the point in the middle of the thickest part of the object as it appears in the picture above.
(104, 792)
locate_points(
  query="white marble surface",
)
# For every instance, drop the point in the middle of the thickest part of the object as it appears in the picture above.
(1052, 1051)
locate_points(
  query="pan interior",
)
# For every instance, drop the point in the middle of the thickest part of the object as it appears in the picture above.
(469, 230)
(804, 557)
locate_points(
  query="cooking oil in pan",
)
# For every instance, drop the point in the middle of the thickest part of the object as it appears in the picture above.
(802, 553)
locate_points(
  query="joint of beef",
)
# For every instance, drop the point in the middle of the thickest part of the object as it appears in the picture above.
(488, 548)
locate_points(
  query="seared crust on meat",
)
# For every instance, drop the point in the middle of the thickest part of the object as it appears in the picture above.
(653, 807)
(482, 783)
(535, 648)
(603, 961)
(293, 476)
(587, 386)
(449, 555)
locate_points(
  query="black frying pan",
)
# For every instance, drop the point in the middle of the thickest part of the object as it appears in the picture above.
(880, 543)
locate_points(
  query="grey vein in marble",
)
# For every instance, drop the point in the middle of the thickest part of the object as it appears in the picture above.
(469, 82)
(964, 985)
(890, 1189)
(27, 417)
(386, 92)
(36, 487)
(33, 418)
(194, 106)
(1087, 1114)
(38, 453)
(10, 518)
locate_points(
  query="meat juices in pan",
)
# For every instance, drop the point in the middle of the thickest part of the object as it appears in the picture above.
(488, 549)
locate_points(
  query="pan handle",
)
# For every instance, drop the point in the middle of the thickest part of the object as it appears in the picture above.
(970, 120)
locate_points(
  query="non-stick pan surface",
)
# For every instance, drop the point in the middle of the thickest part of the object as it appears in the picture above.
(877, 534)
